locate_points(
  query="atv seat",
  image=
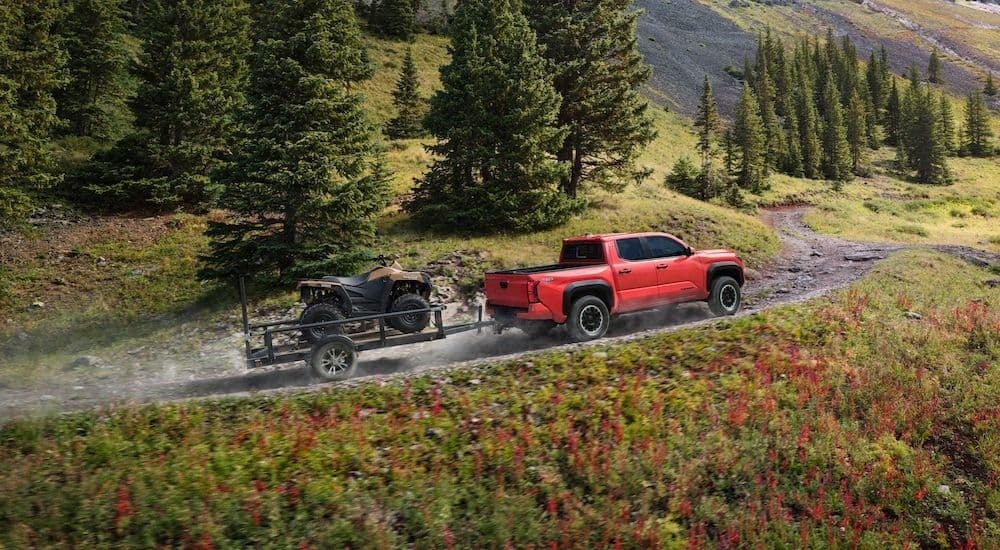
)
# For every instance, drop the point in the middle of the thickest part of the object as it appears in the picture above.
(357, 280)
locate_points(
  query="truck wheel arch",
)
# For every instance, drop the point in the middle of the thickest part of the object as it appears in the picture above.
(596, 287)
(732, 269)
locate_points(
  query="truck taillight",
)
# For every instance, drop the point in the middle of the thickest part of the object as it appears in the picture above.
(533, 292)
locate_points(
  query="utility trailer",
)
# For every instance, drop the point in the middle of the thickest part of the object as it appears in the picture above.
(335, 356)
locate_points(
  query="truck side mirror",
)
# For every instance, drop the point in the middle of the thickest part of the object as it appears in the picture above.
(688, 251)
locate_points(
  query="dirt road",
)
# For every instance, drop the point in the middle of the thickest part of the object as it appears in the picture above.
(808, 266)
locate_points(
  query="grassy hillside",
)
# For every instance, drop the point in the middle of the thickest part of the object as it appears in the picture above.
(865, 419)
(138, 274)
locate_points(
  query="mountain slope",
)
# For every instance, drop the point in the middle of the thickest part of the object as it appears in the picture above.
(683, 40)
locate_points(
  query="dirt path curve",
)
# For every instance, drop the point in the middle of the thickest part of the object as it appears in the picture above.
(808, 266)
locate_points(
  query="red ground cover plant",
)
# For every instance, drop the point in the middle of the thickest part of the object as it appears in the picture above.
(843, 423)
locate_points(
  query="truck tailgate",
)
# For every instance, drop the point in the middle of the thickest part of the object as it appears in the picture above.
(507, 289)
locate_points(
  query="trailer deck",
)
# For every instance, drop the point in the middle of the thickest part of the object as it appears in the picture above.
(334, 357)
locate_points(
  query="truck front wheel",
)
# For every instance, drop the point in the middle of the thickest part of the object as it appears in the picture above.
(725, 298)
(588, 319)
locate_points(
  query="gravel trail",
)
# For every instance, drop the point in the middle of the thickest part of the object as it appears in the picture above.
(808, 266)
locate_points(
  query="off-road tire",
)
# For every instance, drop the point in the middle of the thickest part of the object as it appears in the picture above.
(333, 358)
(726, 296)
(321, 313)
(536, 329)
(588, 319)
(413, 322)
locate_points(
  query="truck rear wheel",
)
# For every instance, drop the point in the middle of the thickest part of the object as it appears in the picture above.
(588, 318)
(726, 297)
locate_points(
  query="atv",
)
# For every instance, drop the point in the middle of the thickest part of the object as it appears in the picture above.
(385, 289)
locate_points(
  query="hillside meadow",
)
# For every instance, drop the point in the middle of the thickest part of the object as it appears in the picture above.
(867, 418)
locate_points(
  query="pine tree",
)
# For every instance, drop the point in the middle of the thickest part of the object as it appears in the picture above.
(684, 178)
(792, 163)
(934, 68)
(748, 133)
(592, 50)
(394, 18)
(307, 183)
(94, 100)
(878, 89)
(494, 123)
(925, 150)
(192, 73)
(990, 88)
(708, 123)
(947, 122)
(856, 127)
(976, 134)
(836, 162)
(410, 107)
(30, 71)
(774, 143)
(893, 116)
(808, 126)
(729, 152)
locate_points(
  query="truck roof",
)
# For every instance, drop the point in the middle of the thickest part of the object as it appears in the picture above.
(613, 236)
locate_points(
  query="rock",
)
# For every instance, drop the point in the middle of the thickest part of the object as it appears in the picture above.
(913, 315)
(794, 269)
(865, 256)
(943, 489)
(600, 355)
(992, 283)
(783, 290)
(86, 361)
(816, 254)
(37, 305)
(751, 274)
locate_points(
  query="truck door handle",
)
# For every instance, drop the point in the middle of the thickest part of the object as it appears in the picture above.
(625, 270)
(662, 266)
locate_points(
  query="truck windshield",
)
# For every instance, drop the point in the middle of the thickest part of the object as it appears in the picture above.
(585, 251)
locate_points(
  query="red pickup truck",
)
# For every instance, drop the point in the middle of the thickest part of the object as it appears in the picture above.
(599, 276)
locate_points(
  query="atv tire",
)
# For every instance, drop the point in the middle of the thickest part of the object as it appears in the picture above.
(412, 322)
(321, 313)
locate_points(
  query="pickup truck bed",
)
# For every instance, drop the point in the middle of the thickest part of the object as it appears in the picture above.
(600, 276)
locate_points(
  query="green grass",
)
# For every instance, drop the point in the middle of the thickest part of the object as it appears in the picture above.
(882, 208)
(843, 422)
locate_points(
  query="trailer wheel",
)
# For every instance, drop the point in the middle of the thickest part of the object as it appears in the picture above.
(333, 358)
(321, 313)
(588, 318)
(410, 322)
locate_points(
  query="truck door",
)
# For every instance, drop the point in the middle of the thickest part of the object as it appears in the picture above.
(675, 271)
(635, 275)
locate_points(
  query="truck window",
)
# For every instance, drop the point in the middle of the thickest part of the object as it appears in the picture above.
(664, 247)
(587, 251)
(630, 249)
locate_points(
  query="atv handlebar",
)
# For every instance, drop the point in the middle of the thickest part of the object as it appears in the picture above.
(381, 259)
